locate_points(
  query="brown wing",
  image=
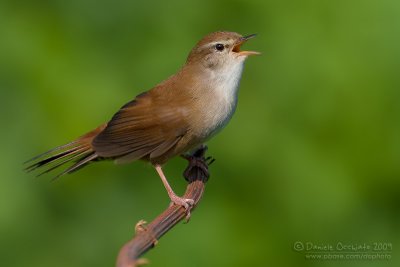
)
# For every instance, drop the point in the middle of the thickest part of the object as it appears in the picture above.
(148, 126)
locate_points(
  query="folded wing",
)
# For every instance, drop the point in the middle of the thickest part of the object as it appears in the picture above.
(148, 126)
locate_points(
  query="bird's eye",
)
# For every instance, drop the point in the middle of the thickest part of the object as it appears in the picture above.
(219, 47)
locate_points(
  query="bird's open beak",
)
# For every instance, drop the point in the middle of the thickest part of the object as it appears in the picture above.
(242, 40)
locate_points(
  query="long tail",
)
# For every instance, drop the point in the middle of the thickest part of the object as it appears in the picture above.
(79, 152)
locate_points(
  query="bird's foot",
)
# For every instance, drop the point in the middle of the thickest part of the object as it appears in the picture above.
(186, 203)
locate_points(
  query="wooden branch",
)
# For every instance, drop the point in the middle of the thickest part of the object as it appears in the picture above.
(147, 236)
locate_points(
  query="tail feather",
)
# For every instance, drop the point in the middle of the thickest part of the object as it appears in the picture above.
(62, 162)
(78, 152)
(51, 151)
(82, 162)
(51, 158)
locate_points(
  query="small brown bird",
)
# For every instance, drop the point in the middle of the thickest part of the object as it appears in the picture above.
(177, 115)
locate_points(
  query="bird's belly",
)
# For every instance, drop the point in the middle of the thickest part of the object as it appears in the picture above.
(220, 123)
(216, 117)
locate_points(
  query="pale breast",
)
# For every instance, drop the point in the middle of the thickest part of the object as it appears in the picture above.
(219, 101)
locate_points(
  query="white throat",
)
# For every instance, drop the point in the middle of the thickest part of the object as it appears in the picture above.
(224, 84)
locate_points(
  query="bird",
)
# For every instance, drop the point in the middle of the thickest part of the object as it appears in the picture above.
(171, 119)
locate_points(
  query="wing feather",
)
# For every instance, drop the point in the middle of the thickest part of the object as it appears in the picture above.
(147, 127)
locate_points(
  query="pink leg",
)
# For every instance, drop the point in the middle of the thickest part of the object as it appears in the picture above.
(185, 202)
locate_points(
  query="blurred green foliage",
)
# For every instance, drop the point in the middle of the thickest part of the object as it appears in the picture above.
(312, 153)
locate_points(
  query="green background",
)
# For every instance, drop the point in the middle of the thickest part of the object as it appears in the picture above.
(312, 153)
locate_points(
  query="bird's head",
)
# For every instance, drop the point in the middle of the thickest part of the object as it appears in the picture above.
(220, 50)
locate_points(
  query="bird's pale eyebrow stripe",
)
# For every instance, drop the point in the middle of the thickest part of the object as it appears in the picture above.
(217, 42)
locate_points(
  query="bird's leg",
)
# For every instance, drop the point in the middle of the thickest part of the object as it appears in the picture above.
(184, 202)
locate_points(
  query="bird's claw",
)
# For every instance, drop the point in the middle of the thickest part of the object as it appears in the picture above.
(209, 160)
(186, 203)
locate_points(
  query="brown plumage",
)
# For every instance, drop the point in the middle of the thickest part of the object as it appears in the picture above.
(152, 127)
(168, 120)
